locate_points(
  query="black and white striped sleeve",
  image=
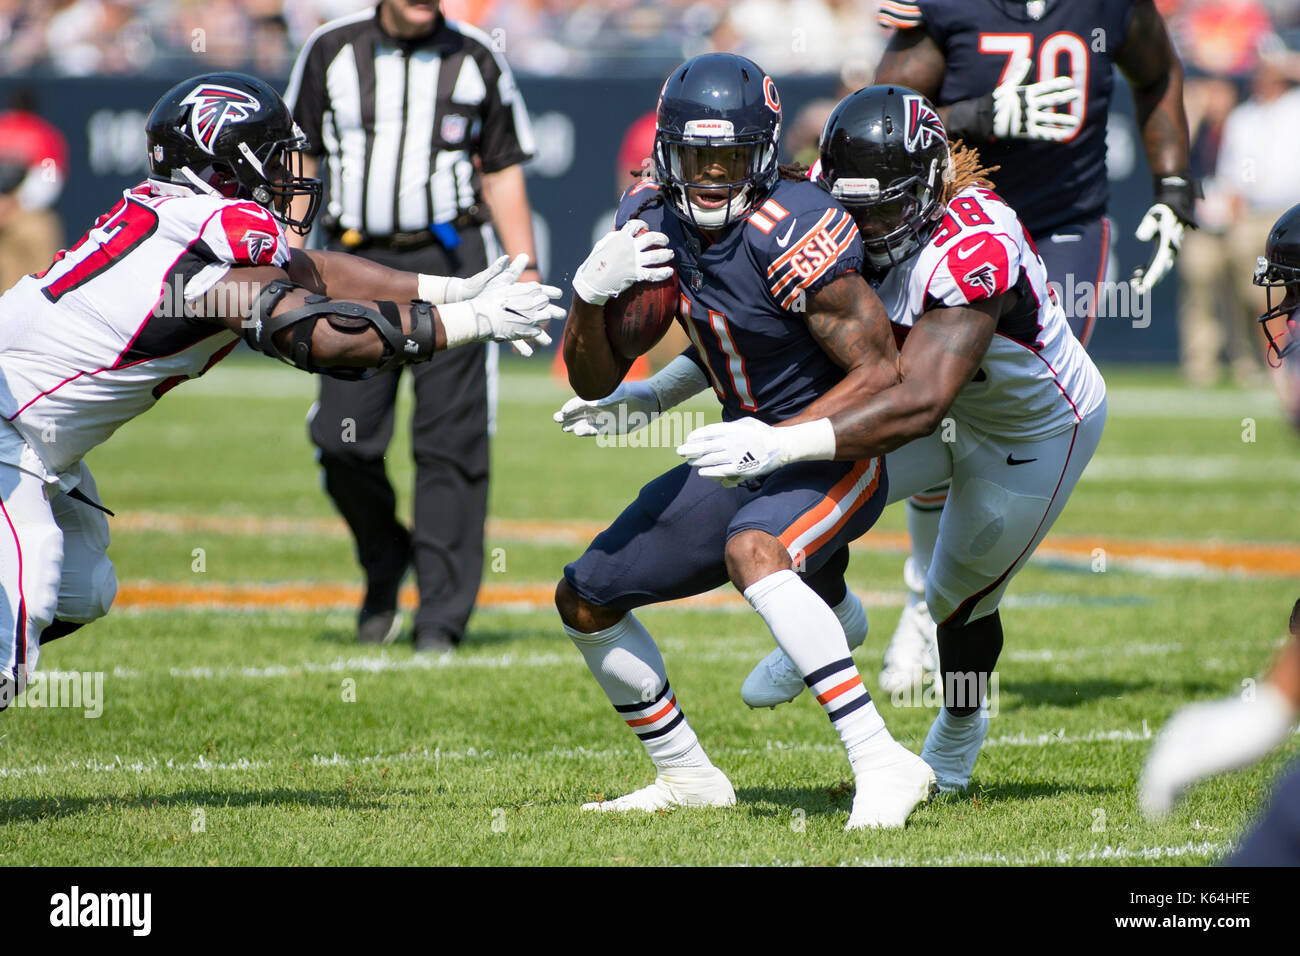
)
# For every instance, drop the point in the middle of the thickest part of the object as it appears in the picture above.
(506, 136)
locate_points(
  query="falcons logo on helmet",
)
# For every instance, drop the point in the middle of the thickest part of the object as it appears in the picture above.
(214, 107)
(924, 128)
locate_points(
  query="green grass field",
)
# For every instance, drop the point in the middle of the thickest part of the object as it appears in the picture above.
(266, 736)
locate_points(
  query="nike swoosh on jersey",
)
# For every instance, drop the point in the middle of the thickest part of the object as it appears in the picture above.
(784, 241)
(1019, 461)
(968, 252)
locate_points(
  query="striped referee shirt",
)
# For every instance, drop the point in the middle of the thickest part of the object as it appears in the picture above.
(400, 121)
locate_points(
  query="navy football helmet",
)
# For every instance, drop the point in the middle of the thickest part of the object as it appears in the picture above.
(1278, 271)
(884, 155)
(715, 149)
(231, 134)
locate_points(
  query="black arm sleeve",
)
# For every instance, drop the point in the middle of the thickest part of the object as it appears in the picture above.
(506, 137)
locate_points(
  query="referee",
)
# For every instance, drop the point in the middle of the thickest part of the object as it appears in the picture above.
(422, 132)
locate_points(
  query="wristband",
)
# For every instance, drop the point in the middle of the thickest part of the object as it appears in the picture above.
(811, 441)
(1179, 193)
(459, 323)
(433, 289)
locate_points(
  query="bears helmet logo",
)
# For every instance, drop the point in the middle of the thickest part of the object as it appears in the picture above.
(214, 107)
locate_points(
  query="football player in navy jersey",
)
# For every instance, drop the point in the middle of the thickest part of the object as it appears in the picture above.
(1029, 84)
(780, 318)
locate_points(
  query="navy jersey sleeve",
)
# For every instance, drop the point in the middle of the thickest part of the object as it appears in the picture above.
(931, 15)
(802, 239)
(643, 201)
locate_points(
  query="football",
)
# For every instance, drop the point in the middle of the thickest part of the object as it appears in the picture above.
(636, 320)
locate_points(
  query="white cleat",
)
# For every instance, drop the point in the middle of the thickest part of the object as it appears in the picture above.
(889, 790)
(682, 787)
(913, 651)
(774, 680)
(952, 746)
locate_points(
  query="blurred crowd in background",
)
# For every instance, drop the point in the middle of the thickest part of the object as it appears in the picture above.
(1243, 88)
(93, 37)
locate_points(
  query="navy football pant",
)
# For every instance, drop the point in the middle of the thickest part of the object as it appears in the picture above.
(671, 542)
(1074, 255)
(1275, 840)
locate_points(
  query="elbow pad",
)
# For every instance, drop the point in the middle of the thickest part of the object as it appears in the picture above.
(349, 317)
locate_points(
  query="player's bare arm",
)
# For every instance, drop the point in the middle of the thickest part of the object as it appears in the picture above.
(1151, 66)
(941, 355)
(913, 59)
(594, 370)
(850, 323)
(341, 275)
(365, 333)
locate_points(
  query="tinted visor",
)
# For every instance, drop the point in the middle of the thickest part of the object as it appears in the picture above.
(713, 165)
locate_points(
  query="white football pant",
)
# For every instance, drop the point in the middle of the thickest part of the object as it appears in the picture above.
(1005, 495)
(53, 563)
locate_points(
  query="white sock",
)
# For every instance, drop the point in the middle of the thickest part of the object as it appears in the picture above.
(853, 618)
(811, 636)
(923, 514)
(627, 664)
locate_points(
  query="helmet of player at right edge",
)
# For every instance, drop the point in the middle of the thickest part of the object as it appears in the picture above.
(1278, 271)
(884, 155)
(230, 134)
(715, 150)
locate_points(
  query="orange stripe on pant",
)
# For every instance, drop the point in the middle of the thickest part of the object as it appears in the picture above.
(828, 504)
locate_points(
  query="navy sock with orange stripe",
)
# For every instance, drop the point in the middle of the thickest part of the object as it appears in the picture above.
(627, 664)
(811, 636)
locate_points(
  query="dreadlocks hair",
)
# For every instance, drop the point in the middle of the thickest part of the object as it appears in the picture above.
(964, 170)
(793, 171)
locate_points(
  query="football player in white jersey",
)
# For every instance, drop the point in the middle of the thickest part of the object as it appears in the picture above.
(994, 392)
(161, 288)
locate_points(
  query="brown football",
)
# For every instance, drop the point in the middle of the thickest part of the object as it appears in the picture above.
(636, 320)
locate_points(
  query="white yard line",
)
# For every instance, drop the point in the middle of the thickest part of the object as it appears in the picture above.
(117, 765)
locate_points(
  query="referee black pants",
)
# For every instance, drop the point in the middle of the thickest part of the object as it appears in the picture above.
(351, 427)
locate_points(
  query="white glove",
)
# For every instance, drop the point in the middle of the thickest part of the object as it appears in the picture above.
(633, 405)
(732, 452)
(442, 289)
(505, 311)
(1027, 112)
(620, 260)
(628, 408)
(1163, 225)
(1209, 738)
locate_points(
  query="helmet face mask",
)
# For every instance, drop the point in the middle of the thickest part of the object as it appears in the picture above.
(1279, 322)
(1277, 271)
(231, 135)
(715, 151)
